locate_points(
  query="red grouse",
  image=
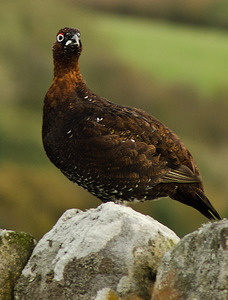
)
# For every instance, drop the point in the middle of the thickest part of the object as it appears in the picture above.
(116, 152)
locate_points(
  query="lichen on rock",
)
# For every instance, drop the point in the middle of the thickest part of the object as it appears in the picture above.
(15, 249)
(197, 267)
(111, 248)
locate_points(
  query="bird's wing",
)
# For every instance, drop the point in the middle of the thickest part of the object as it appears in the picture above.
(181, 175)
(126, 140)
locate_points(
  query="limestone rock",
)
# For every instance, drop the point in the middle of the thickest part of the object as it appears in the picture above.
(15, 249)
(197, 267)
(104, 253)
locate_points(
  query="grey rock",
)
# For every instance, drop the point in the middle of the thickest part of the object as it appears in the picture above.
(104, 253)
(15, 249)
(197, 267)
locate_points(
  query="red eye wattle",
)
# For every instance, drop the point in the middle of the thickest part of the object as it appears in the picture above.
(60, 37)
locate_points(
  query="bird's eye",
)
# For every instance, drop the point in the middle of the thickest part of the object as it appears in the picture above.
(60, 37)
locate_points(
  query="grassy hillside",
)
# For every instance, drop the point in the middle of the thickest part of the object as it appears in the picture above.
(175, 78)
(200, 12)
(181, 54)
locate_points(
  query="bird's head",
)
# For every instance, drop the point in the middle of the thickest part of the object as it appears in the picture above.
(67, 44)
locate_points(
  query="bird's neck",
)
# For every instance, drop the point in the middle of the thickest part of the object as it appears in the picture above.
(68, 82)
(68, 71)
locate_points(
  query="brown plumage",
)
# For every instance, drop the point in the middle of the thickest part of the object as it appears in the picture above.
(117, 153)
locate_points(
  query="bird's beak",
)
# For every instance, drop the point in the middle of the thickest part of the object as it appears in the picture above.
(73, 41)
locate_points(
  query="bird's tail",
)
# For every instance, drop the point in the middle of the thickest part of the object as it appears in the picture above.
(195, 197)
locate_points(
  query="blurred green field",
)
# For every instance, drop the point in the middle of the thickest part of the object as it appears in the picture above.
(170, 52)
(177, 73)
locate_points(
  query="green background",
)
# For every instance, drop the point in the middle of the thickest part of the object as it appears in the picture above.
(170, 61)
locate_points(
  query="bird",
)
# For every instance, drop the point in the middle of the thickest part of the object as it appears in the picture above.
(117, 153)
